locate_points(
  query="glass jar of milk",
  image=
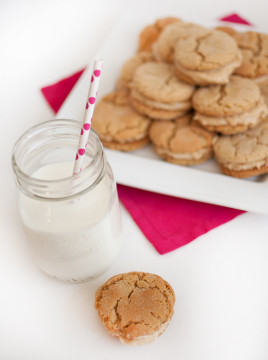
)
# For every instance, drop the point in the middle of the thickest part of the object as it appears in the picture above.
(72, 222)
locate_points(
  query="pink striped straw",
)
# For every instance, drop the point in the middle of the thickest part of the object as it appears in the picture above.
(90, 105)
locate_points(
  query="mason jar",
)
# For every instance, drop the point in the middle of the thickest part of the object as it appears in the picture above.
(72, 222)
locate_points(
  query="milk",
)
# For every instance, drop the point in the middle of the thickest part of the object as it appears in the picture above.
(77, 238)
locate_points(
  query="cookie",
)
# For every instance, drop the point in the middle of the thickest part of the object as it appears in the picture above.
(206, 58)
(118, 125)
(129, 68)
(136, 307)
(229, 108)
(150, 33)
(245, 154)
(157, 93)
(254, 49)
(181, 142)
(163, 49)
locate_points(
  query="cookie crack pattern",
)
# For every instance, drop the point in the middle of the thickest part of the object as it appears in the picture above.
(249, 47)
(131, 292)
(168, 80)
(100, 297)
(256, 55)
(220, 101)
(155, 316)
(257, 142)
(171, 137)
(199, 52)
(222, 95)
(118, 317)
(156, 287)
(136, 323)
(198, 44)
(236, 151)
(259, 46)
(129, 127)
(162, 292)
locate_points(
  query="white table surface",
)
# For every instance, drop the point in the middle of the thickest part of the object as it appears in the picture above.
(220, 279)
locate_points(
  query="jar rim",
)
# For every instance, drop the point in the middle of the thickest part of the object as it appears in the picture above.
(29, 133)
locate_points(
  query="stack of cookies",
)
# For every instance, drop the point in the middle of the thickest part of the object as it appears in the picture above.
(194, 93)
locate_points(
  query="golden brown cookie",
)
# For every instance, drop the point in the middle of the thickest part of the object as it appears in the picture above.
(245, 154)
(150, 33)
(181, 142)
(157, 93)
(118, 125)
(231, 108)
(164, 46)
(254, 49)
(129, 68)
(136, 307)
(206, 58)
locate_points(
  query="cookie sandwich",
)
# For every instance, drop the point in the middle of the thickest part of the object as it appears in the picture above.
(158, 93)
(206, 58)
(118, 125)
(254, 49)
(136, 307)
(245, 154)
(231, 108)
(181, 142)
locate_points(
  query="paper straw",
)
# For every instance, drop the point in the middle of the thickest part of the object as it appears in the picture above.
(90, 105)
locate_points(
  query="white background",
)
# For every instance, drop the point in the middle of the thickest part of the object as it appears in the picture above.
(220, 280)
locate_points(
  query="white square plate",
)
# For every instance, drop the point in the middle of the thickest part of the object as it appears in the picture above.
(143, 168)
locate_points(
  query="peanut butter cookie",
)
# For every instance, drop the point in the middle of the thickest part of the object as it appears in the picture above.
(230, 108)
(118, 125)
(150, 33)
(207, 58)
(244, 155)
(157, 92)
(136, 307)
(181, 142)
(163, 49)
(254, 49)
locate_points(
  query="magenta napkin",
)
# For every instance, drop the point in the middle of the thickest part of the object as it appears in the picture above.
(235, 19)
(167, 222)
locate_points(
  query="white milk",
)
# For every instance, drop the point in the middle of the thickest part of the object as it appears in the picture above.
(73, 239)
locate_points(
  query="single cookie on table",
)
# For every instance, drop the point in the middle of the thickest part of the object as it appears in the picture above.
(158, 93)
(245, 154)
(118, 125)
(136, 307)
(150, 33)
(231, 108)
(254, 49)
(129, 68)
(182, 142)
(163, 49)
(206, 58)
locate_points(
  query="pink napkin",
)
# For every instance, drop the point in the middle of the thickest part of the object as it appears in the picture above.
(236, 19)
(166, 221)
